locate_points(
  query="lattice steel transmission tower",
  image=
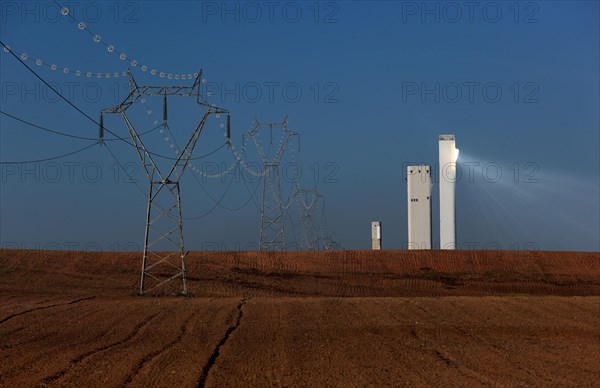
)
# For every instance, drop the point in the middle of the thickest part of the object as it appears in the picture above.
(272, 219)
(313, 225)
(309, 239)
(164, 252)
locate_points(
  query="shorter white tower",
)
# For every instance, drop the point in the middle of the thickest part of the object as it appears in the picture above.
(418, 179)
(376, 235)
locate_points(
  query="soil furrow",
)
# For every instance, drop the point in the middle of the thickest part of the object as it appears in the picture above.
(43, 308)
(150, 356)
(79, 359)
(217, 350)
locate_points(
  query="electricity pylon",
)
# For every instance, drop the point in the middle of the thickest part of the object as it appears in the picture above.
(164, 262)
(313, 226)
(272, 219)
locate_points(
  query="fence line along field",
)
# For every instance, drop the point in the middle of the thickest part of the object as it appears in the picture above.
(343, 318)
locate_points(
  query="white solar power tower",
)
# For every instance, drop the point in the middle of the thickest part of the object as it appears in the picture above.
(448, 155)
(419, 185)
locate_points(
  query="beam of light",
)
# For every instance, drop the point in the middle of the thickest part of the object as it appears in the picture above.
(455, 154)
(554, 209)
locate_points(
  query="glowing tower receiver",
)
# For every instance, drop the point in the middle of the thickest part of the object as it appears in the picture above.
(448, 155)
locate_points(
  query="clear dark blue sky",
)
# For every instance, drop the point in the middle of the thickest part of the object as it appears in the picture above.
(368, 85)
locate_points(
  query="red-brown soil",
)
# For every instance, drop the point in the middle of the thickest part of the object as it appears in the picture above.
(351, 318)
(338, 273)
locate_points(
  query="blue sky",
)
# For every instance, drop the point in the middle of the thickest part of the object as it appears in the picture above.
(368, 86)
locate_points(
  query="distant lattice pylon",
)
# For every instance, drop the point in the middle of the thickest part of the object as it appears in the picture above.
(313, 226)
(272, 219)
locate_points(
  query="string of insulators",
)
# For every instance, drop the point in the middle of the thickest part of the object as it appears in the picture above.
(165, 108)
(228, 128)
(101, 131)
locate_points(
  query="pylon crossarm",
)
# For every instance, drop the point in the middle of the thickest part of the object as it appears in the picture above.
(280, 125)
(131, 98)
(184, 91)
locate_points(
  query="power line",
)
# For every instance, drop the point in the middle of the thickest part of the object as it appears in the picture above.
(64, 133)
(93, 138)
(53, 157)
(65, 70)
(53, 89)
(112, 50)
(253, 194)
(219, 202)
(125, 170)
(79, 110)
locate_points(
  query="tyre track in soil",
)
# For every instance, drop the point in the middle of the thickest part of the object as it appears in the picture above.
(5, 319)
(183, 329)
(82, 357)
(217, 350)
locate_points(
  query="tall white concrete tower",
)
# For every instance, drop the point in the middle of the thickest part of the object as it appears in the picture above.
(376, 235)
(448, 155)
(418, 180)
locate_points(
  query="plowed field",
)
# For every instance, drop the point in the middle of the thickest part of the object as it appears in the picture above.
(350, 318)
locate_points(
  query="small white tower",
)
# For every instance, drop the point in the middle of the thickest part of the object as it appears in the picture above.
(376, 235)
